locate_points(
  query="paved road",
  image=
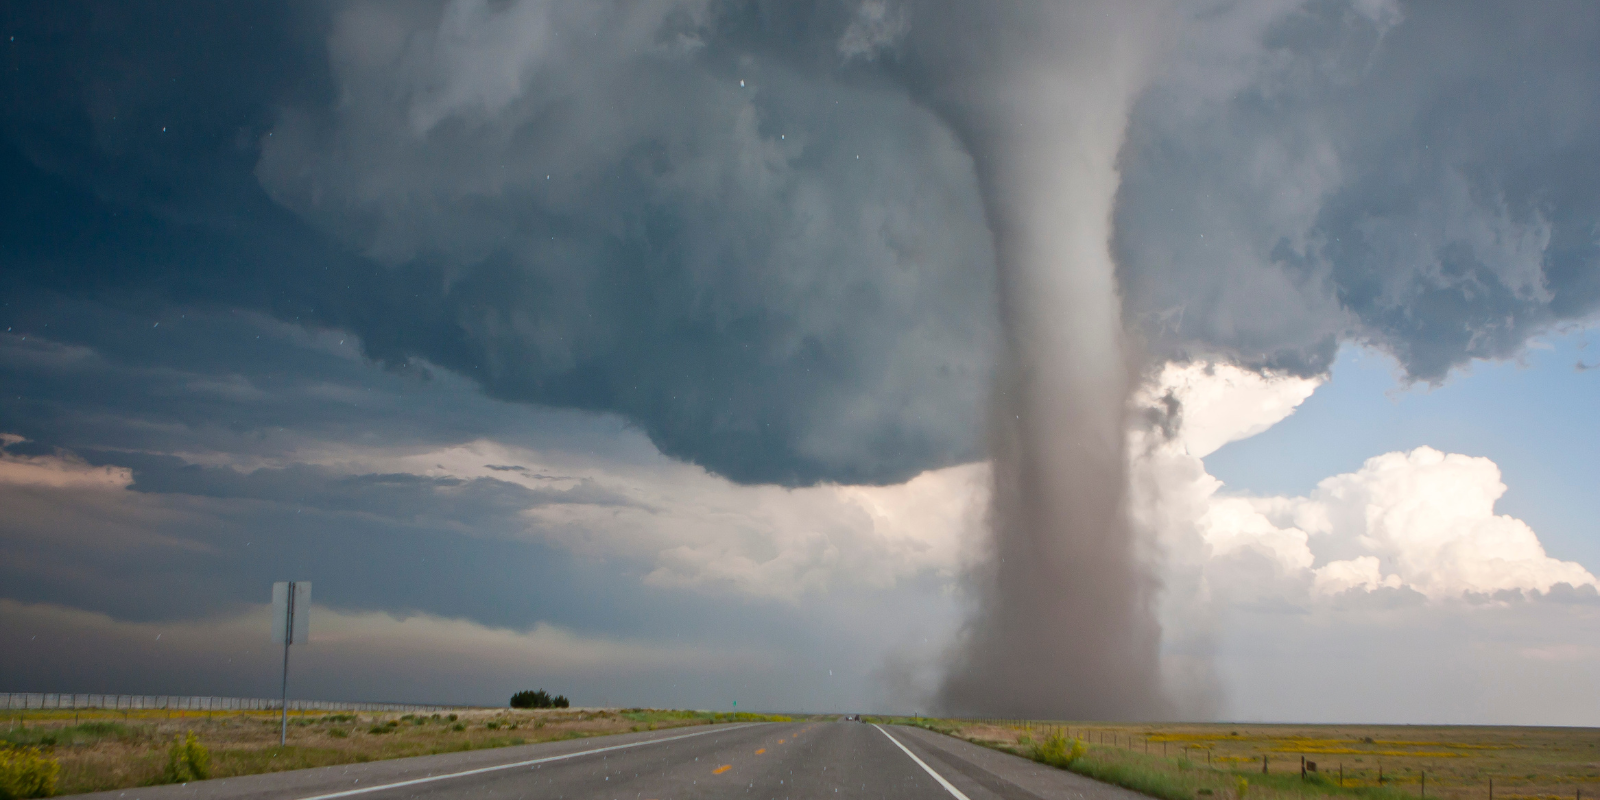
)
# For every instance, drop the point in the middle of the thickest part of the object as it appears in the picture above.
(763, 760)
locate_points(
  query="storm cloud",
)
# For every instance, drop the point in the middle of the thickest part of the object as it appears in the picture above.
(1413, 177)
(748, 228)
(785, 280)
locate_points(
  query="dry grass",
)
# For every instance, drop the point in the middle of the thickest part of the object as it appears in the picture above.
(1206, 760)
(100, 750)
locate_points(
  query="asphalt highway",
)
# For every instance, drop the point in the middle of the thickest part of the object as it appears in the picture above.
(759, 760)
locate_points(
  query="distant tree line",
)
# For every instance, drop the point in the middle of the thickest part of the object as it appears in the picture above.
(539, 699)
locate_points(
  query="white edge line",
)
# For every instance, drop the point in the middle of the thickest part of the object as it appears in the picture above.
(430, 778)
(936, 776)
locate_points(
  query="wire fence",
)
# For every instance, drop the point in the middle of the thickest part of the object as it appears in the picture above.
(41, 701)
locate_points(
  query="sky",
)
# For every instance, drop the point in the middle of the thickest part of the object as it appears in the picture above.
(652, 353)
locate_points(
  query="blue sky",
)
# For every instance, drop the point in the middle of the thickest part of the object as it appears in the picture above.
(1533, 416)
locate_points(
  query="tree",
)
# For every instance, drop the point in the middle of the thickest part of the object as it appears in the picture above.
(538, 699)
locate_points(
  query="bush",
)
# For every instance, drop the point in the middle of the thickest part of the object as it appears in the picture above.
(26, 772)
(1242, 789)
(187, 760)
(538, 699)
(1057, 750)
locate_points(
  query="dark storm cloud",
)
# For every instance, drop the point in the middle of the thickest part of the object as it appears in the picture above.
(86, 376)
(402, 496)
(220, 501)
(790, 280)
(1418, 177)
(392, 541)
(784, 282)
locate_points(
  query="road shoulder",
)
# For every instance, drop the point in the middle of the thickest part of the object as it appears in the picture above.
(981, 772)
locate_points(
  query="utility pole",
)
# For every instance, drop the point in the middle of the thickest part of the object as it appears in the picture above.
(291, 624)
(288, 621)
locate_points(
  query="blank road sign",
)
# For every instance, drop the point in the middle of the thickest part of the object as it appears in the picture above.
(284, 629)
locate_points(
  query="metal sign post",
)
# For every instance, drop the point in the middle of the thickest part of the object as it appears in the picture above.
(291, 624)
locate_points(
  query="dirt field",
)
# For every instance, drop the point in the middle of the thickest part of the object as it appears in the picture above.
(1459, 761)
(101, 750)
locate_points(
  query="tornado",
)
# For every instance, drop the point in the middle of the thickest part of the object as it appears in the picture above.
(1063, 625)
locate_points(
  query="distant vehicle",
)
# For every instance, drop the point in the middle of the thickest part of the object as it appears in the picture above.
(852, 718)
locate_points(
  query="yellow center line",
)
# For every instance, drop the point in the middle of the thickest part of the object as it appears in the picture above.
(762, 750)
(721, 769)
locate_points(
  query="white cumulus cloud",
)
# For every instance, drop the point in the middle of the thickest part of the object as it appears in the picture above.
(1421, 520)
(1264, 596)
(1427, 518)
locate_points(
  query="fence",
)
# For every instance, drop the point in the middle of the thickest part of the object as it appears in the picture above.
(143, 702)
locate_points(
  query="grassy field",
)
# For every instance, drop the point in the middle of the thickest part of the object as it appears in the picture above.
(1379, 762)
(109, 750)
(101, 750)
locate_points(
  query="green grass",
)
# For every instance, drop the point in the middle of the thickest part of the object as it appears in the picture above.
(275, 759)
(327, 719)
(119, 749)
(69, 736)
(1206, 761)
(1179, 779)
